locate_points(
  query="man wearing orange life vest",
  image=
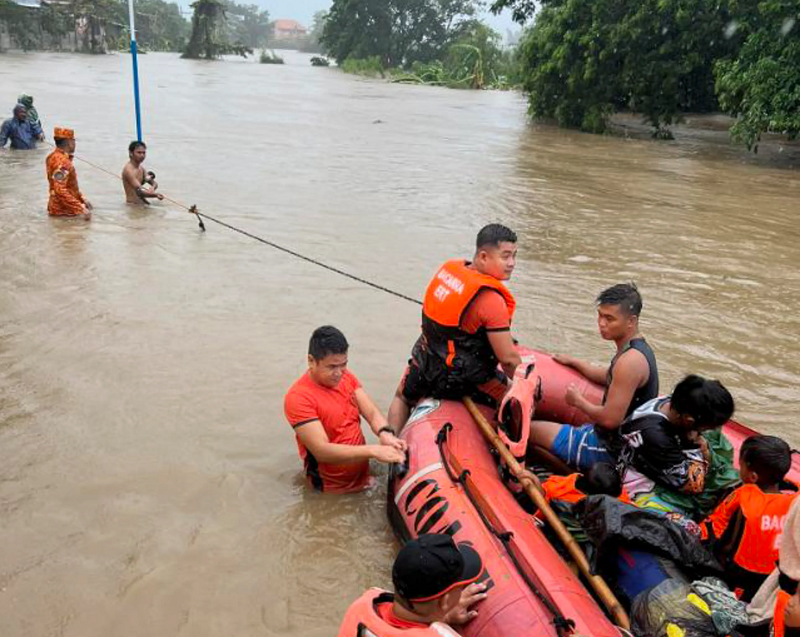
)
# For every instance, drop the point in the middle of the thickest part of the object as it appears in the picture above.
(466, 323)
(435, 584)
(66, 199)
(745, 529)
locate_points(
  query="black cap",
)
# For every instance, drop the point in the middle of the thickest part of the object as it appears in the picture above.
(432, 565)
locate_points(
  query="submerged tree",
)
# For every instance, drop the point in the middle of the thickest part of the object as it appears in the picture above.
(208, 39)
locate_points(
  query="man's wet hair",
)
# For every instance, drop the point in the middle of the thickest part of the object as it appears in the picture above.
(493, 235)
(602, 478)
(61, 142)
(136, 144)
(769, 456)
(707, 401)
(625, 295)
(327, 340)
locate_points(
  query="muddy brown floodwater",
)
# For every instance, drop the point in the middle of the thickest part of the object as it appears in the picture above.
(149, 484)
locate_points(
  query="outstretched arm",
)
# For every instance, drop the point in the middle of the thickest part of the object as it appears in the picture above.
(369, 410)
(312, 435)
(594, 373)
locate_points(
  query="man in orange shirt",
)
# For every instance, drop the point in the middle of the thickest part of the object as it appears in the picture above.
(66, 199)
(466, 329)
(324, 407)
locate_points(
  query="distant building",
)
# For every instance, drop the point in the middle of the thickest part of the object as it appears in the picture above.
(288, 30)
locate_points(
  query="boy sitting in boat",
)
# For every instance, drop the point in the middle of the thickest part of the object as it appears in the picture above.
(630, 380)
(745, 530)
(601, 479)
(435, 583)
(661, 443)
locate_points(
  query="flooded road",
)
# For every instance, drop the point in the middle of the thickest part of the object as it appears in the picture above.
(149, 484)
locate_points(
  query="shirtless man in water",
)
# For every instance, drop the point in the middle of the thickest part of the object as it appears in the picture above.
(139, 185)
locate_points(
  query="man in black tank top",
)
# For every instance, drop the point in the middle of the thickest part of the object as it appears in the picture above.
(630, 380)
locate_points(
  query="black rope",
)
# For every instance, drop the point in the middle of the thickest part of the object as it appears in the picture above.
(201, 215)
(272, 244)
(563, 625)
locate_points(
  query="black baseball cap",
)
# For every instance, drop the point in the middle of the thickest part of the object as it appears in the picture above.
(432, 565)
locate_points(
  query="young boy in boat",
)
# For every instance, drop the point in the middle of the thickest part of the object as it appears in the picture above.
(745, 530)
(324, 407)
(435, 583)
(466, 329)
(601, 478)
(662, 443)
(630, 380)
(775, 609)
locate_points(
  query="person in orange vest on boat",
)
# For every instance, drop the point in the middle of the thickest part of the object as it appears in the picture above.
(630, 380)
(435, 583)
(775, 609)
(466, 329)
(66, 199)
(324, 407)
(601, 479)
(745, 529)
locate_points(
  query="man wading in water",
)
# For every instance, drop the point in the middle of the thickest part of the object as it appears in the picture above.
(139, 186)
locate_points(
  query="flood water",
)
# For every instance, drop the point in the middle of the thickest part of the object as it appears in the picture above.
(149, 484)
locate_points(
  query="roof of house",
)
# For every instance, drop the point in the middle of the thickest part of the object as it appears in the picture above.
(288, 25)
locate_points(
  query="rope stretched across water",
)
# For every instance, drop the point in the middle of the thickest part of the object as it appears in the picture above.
(202, 215)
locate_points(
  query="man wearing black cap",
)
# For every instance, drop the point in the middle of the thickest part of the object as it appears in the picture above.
(435, 584)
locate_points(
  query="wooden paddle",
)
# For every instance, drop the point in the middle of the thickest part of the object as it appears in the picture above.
(532, 485)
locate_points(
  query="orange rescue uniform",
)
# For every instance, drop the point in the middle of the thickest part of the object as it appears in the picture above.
(371, 614)
(66, 199)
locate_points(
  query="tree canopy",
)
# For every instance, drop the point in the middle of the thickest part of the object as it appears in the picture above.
(585, 59)
(398, 32)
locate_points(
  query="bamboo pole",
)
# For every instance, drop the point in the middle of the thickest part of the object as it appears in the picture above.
(532, 486)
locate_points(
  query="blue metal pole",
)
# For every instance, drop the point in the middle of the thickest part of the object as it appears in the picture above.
(135, 59)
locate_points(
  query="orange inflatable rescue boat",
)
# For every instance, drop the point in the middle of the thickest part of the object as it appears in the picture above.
(452, 484)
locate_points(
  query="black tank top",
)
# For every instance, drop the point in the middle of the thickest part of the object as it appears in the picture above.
(646, 392)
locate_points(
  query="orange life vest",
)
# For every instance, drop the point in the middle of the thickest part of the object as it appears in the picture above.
(765, 515)
(362, 620)
(564, 489)
(467, 358)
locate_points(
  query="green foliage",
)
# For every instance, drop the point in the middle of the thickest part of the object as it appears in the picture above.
(21, 23)
(209, 37)
(369, 67)
(159, 24)
(270, 57)
(585, 59)
(247, 24)
(761, 85)
(399, 32)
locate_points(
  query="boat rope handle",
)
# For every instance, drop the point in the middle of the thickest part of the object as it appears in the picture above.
(563, 625)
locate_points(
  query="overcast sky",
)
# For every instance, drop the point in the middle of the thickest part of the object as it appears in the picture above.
(303, 10)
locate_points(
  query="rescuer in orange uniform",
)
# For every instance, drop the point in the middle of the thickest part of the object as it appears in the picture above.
(746, 528)
(466, 329)
(66, 199)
